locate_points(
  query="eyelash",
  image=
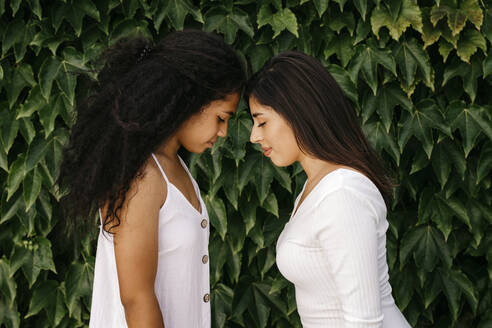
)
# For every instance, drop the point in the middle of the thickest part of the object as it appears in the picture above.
(261, 124)
(221, 119)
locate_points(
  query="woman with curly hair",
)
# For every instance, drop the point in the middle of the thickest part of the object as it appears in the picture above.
(152, 267)
(333, 249)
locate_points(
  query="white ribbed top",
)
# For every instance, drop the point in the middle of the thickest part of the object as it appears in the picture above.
(182, 282)
(333, 249)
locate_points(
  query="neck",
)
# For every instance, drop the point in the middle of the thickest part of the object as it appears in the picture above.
(315, 167)
(169, 149)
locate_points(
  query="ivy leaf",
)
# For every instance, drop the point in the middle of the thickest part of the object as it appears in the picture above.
(14, 33)
(283, 19)
(228, 23)
(31, 188)
(420, 123)
(239, 130)
(460, 117)
(47, 74)
(271, 204)
(9, 128)
(380, 139)
(410, 56)
(458, 16)
(469, 43)
(430, 33)
(248, 213)
(49, 295)
(22, 77)
(17, 174)
(78, 283)
(343, 47)
(444, 49)
(361, 6)
(409, 14)
(222, 300)
(178, 10)
(484, 162)
(218, 215)
(367, 59)
(344, 81)
(38, 257)
(264, 177)
(321, 6)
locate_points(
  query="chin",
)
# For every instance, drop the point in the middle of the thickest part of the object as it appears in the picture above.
(280, 163)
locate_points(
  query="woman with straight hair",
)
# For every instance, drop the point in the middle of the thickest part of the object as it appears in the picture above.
(333, 248)
(152, 265)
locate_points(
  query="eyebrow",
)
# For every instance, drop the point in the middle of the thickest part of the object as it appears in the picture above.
(257, 114)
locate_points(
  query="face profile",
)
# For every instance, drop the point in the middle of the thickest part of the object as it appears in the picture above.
(204, 128)
(273, 133)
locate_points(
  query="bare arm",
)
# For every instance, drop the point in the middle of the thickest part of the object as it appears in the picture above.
(136, 249)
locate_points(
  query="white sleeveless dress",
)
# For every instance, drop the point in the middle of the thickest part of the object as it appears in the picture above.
(333, 249)
(182, 282)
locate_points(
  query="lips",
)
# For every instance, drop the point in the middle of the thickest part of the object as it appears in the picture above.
(266, 151)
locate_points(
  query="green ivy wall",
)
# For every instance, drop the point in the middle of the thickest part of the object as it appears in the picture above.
(418, 73)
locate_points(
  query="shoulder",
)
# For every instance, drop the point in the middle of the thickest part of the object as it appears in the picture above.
(346, 189)
(147, 190)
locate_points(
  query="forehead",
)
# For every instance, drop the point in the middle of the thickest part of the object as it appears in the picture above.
(227, 105)
(258, 109)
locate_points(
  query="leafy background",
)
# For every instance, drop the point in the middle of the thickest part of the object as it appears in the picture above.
(418, 73)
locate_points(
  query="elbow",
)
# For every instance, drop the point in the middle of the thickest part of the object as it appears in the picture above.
(131, 301)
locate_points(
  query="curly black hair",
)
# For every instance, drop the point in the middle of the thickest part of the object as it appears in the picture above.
(142, 95)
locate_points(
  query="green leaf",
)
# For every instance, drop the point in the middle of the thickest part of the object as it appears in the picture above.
(367, 59)
(484, 162)
(14, 33)
(444, 49)
(31, 188)
(284, 19)
(380, 139)
(47, 74)
(49, 297)
(263, 178)
(217, 214)
(36, 151)
(40, 258)
(178, 10)
(17, 173)
(460, 118)
(221, 304)
(22, 77)
(245, 169)
(27, 130)
(271, 204)
(248, 213)
(321, 6)
(410, 56)
(487, 66)
(361, 6)
(9, 129)
(469, 43)
(78, 283)
(441, 164)
(9, 210)
(458, 209)
(48, 114)
(409, 14)
(343, 79)
(8, 286)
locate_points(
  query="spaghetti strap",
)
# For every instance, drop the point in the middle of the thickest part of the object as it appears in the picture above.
(160, 168)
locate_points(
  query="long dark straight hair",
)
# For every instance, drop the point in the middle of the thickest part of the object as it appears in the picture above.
(325, 125)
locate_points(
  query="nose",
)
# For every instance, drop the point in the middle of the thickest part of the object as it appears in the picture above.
(222, 132)
(254, 136)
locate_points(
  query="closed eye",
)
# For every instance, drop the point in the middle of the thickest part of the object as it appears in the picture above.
(261, 124)
(220, 119)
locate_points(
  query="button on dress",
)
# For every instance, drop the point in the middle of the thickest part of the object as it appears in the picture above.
(333, 249)
(182, 282)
